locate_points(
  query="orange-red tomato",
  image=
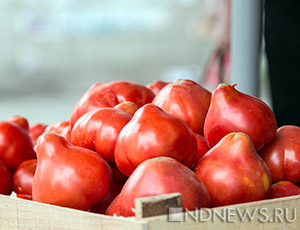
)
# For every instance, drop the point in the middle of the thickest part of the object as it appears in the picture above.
(23, 177)
(68, 175)
(153, 133)
(163, 175)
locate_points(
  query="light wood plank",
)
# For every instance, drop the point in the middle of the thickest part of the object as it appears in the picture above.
(24, 214)
(264, 209)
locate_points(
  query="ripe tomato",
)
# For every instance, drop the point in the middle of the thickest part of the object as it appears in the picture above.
(163, 175)
(68, 175)
(282, 155)
(15, 145)
(110, 95)
(153, 133)
(186, 100)
(23, 177)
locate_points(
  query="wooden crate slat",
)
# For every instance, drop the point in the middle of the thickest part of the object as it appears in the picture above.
(24, 214)
(290, 203)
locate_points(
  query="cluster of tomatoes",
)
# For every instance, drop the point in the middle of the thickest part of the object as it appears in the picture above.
(125, 140)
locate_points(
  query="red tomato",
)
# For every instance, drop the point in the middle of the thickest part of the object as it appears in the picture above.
(109, 95)
(152, 133)
(186, 100)
(127, 106)
(99, 129)
(234, 111)
(15, 145)
(157, 86)
(23, 177)
(233, 172)
(114, 207)
(202, 146)
(24, 196)
(282, 155)
(5, 179)
(62, 128)
(35, 131)
(68, 175)
(163, 175)
(21, 121)
(284, 189)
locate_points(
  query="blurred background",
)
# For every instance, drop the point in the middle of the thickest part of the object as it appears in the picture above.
(52, 51)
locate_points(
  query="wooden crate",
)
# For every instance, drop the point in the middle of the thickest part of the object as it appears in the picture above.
(24, 214)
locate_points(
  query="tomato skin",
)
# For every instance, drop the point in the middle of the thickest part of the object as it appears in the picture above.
(202, 146)
(157, 86)
(15, 145)
(98, 130)
(68, 175)
(5, 179)
(186, 100)
(21, 121)
(114, 207)
(282, 155)
(163, 175)
(62, 128)
(233, 172)
(234, 111)
(24, 196)
(153, 133)
(23, 177)
(109, 95)
(127, 106)
(35, 131)
(283, 189)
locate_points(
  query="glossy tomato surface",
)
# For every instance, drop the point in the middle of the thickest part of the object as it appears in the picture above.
(186, 100)
(282, 155)
(233, 111)
(284, 189)
(110, 95)
(233, 172)
(15, 145)
(163, 175)
(68, 175)
(99, 129)
(153, 133)
(23, 177)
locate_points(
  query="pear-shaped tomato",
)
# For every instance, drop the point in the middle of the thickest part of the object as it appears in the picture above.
(163, 175)
(153, 133)
(234, 111)
(68, 175)
(233, 172)
(186, 100)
